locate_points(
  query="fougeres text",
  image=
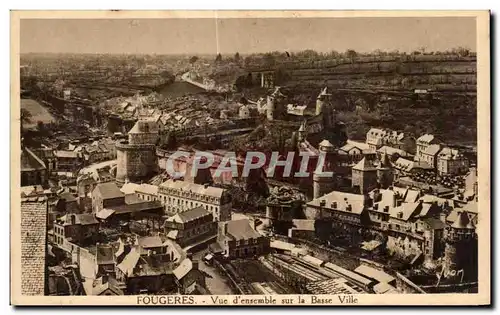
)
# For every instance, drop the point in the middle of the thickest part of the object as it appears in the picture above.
(221, 159)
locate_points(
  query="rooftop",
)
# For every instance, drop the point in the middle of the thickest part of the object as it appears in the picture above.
(365, 165)
(189, 215)
(379, 275)
(30, 161)
(427, 138)
(241, 230)
(432, 149)
(80, 219)
(192, 187)
(341, 201)
(136, 207)
(109, 190)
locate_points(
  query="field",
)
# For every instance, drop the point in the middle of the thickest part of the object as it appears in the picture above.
(37, 111)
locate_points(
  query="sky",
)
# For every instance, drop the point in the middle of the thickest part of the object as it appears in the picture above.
(245, 35)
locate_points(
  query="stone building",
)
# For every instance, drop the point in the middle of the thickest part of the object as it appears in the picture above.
(238, 239)
(423, 143)
(364, 175)
(168, 271)
(429, 155)
(106, 195)
(452, 162)
(68, 161)
(179, 196)
(461, 244)
(377, 138)
(355, 151)
(75, 229)
(136, 157)
(191, 228)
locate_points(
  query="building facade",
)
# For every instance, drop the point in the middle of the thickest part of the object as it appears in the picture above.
(238, 239)
(191, 227)
(452, 162)
(179, 196)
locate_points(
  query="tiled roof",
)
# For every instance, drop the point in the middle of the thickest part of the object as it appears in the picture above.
(109, 190)
(82, 219)
(343, 201)
(136, 207)
(150, 241)
(241, 230)
(183, 269)
(432, 149)
(427, 138)
(365, 165)
(189, 215)
(192, 187)
(66, 154)
(390, 150)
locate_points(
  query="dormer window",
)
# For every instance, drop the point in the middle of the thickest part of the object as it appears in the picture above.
(400, 215)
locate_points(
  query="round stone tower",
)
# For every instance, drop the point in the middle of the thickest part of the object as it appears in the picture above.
(136, 157)
(460, 242)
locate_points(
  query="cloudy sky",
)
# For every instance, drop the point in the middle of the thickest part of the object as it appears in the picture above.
(245, 35)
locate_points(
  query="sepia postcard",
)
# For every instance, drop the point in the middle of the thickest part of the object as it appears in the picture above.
(244, 158)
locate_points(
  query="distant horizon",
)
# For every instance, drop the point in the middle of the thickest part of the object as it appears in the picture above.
(224, 54)
(209, 36)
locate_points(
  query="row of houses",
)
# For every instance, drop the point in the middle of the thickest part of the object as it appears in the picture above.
(414, 223)
(426, 152)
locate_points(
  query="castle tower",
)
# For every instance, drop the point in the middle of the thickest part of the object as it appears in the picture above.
(460, 244)
(323, 185)
(364, 176)
(136, 157)
(384, 172)
(322, 100)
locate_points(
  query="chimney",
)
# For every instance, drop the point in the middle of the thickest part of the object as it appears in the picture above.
(73, 219)
(394, 200)
(205, 185)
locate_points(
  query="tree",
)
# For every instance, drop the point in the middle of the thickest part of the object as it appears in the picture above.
(193, 59)
(218, 58)
(461, 51)
(237, 57)
(351, 54)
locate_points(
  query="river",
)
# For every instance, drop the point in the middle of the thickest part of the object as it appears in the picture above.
(178, 89)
